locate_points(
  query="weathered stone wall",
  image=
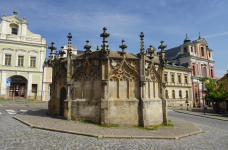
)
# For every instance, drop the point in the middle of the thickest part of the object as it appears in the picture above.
(110, 87)
(124, 112)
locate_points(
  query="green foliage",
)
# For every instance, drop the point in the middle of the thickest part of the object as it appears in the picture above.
(215, 91)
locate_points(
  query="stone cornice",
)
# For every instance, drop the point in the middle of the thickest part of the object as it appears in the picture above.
(173, 68)
(32, 51)
(20, 50)
(8, 70)
(198, 58)
(9, 49)
(20, 21)
(24, 43)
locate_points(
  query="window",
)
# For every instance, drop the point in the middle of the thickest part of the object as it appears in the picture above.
(186, 79)
(14, 31)
(172, 78)
(8, 60)
(209, 54)
(202, 51)
(186, 94)
(180, 94)
(173, 94)
(34, 88)
(191, 49)
(212, 73)
(33, 62)
(179, 78)
(166, 94)
(165, 77)
(204, 72)
(185, 50)
(20, 60)
(193, 70)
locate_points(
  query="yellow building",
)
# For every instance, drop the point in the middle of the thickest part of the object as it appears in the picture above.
(22, 54)
(178, 84)
(224, 105)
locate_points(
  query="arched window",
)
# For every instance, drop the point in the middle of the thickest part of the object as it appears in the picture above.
(204, 72)
(185, 50)
(166, 94)
(212, 73)
(173, 94)
(180, 94)
(202, 51)
(187, 94)
(191, 49)
(193, 70)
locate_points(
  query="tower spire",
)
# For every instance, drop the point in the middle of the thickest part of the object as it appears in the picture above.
(123, 46)
(52, 48)
(142, 50)
(199, 36)
(87, 47)
(104, 49)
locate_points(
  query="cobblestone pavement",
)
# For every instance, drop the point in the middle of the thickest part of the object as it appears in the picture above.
(40, 118)
(23, 103)
(223, 116)
(15, 135)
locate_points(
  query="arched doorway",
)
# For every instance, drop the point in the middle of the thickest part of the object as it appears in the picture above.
(18, 86)
(62, 98)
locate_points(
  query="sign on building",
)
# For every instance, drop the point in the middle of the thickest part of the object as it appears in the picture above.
(8, 80)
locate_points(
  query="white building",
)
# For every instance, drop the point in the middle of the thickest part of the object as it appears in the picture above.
(22, 54)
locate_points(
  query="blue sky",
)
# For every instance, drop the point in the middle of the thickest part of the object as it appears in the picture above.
(167, 20)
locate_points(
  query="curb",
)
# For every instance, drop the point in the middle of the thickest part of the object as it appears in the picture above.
(201, 115)
(110, 136)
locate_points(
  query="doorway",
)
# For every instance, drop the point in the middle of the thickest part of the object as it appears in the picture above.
(18, 86)
(62, 98)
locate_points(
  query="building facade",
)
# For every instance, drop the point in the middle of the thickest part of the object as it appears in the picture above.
(22, 54)
(109, 87)
(199, 57)
(178, 89)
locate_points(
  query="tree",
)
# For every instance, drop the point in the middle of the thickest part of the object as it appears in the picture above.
(215, 91)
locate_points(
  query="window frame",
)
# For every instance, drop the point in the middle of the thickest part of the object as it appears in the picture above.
(173, 94)
(186, 93)
(202, 51)
(19, 61)
(166, 78)
(179, 78)
(30, 60)
(172, 78)
(34, 87)
(15, 33)
(185, 50)
(186, 79)
(8, 64)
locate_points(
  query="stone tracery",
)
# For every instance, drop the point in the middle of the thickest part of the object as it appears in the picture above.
(123, 71)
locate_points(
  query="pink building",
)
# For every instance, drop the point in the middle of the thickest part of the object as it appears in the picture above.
(198, 57)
